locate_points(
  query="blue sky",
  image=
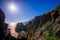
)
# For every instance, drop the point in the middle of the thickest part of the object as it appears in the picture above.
(27, 9)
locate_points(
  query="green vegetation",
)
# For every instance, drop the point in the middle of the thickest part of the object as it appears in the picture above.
(50, 34)
(50, 31)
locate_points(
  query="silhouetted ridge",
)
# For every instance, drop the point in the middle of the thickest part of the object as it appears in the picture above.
(2, 14)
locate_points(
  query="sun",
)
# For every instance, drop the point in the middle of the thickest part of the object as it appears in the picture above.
(12, 7)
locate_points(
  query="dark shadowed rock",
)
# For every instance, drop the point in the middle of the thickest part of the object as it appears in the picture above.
(58, 34)
(54, 16)
(2, 19)
(19, 27)
(5, 26)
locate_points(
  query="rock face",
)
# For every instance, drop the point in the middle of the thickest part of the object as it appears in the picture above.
(2, 20)
(45, 18)
(55, 14)
(19, 27)
(42, 19)
(2, 17)
(38, 21)
(3, 26)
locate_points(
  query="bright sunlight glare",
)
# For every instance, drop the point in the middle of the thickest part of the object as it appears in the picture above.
(12, 7)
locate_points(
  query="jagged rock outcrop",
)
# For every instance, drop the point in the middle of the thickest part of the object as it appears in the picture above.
(45, 18)
(42, 19)
(55, 14)
(19, 27)
(38, 21)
